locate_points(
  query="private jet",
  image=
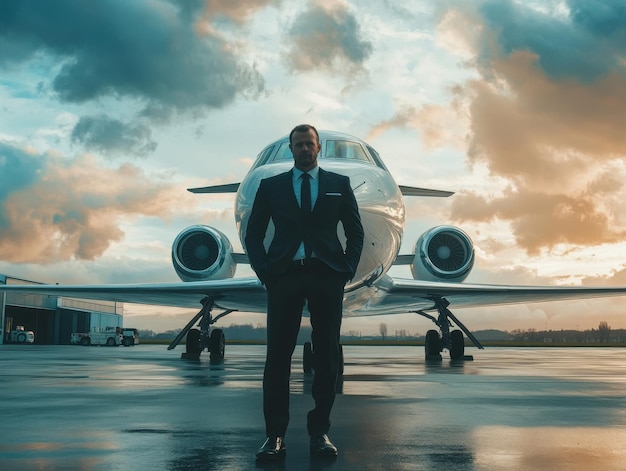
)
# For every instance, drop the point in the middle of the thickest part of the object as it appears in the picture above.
(443, 257)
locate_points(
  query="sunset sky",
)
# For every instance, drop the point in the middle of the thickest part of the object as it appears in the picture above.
(109, 110)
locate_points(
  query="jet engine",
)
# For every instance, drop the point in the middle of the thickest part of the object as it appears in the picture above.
(202, 253)
(443, 253)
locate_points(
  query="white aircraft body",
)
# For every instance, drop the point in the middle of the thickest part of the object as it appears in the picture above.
(443, 257)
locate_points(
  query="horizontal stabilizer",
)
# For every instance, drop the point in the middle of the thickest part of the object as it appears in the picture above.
(228, 188)
(414, 191)
(240, 258)
(404, 259)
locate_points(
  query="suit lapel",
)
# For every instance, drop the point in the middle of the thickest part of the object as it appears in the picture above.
(321, 187)
(290, 192)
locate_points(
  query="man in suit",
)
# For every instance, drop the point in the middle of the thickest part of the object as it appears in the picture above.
(305, 262)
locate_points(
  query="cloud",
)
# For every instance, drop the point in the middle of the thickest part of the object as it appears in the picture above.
(74, 208)
(540, 220)
(616, 278)
(235, 10)
(327, 36)
(584, 41)
(439, 126)
(111, 136)
(18, 170)
(545, 117)
(144, 50)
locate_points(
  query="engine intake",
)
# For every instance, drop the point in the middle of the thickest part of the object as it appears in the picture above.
(202, 253)
(443, 253)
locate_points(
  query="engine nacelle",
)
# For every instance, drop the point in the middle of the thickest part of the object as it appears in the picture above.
(443, 253)
(202, 253)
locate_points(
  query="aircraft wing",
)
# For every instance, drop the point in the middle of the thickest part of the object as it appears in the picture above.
(387, 296)
(398, 295)
(242, 294)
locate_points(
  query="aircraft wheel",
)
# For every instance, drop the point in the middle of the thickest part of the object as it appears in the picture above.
(192, 344)
(457, 345)
(217, 345)
(432, 345)
(85, 341)
(307, 358)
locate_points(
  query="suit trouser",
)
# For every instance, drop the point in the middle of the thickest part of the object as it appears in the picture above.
(322, 288)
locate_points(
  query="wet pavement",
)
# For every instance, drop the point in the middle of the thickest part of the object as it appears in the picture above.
(98, 408)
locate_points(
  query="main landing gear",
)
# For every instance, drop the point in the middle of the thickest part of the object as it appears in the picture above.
(199, 339)
(453, 340)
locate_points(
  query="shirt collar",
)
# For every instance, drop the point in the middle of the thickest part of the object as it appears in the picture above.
(314, 172)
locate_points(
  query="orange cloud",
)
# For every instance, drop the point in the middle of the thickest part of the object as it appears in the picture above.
(528, 126)
(75, 209)
(439, 126)
(236, 10)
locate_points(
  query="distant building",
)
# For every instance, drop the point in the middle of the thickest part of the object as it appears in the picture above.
(54, 318)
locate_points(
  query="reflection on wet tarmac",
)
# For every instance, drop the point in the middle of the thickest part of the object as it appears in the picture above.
(99, 408)
(575, 448)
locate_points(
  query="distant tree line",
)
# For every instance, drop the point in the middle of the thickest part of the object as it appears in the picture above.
(259, 333)
(232, 332)
(604, 334)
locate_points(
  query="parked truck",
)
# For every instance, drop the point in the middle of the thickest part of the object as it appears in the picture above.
(109, 336)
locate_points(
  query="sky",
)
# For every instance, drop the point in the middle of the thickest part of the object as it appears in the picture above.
(109, 111)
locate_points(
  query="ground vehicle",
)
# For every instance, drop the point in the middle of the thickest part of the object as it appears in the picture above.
(20, 335)
(110, 336)
(130, 337)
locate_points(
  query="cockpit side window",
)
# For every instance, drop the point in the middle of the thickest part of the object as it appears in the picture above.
(336, 149)
(283, 153)
(263, 156)
(376, 157)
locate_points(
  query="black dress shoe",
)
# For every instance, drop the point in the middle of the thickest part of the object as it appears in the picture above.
(322, 446)
(273, 449)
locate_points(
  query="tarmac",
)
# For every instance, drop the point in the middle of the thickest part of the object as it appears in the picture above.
(142, 407)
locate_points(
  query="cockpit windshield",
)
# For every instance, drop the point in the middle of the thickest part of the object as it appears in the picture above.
(336, 149)
(331, 149)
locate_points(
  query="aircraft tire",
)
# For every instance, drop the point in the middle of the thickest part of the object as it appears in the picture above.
(307, 357)
(457, 345)
(192, 343)
(432, 345)
(217, 345)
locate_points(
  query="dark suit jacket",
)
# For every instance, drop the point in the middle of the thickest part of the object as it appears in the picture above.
(275, 199)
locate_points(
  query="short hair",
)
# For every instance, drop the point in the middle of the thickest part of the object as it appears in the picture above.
(304, 128)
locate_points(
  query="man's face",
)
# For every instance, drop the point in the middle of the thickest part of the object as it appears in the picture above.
(305, 147)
